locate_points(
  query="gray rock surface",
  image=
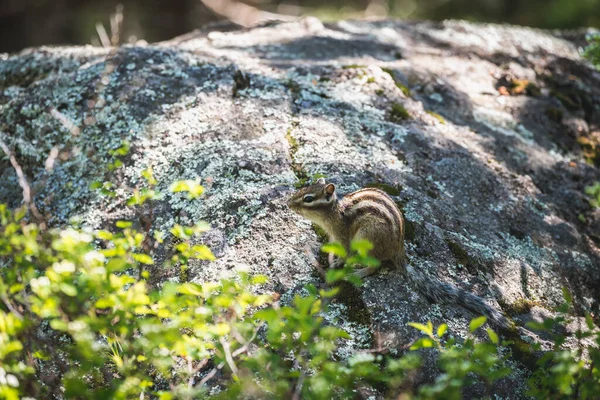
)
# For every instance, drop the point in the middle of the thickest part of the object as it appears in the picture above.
(492, 185)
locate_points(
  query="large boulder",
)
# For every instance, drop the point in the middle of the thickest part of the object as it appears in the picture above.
(485, 135)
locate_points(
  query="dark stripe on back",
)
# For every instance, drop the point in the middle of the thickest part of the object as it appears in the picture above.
(377, 196)
(375, 209)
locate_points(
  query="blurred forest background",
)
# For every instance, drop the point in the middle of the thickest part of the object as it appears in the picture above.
(26, 23)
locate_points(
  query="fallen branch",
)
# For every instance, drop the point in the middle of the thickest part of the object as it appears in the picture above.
(243, 14)
(27, 198)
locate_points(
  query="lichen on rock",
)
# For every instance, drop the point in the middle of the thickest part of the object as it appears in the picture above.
(494, 190)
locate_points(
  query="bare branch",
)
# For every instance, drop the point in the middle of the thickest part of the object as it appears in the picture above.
(243, 14)
(236, 353)
(49, 164)
(228, 356)
(27, 198)
(116, 25)
(211, 374)
(103, 36)
(65, 121)
(11, 308)
(298, 388)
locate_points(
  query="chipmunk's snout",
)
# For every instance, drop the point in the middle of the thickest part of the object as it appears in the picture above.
(292, 203)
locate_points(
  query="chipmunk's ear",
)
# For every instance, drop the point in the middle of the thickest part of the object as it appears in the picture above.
(321, 181)
(330, 189)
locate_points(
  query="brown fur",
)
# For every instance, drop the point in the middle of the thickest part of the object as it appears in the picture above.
(372, 215)
(365, 214)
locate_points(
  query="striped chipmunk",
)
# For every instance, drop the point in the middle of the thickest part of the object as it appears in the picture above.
(370, 214)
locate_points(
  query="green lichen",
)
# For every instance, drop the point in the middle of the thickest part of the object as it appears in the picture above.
(572, 95)
(519, 307)
(353, 66)
(398, 113)
(379, 92)
(321, 234)
(462, 257)
(299, 171)
(555, 114)
(350, 296)
(293, 86)
(371, 80)
(409, 230)
(409, 225)
(405, 89)
(389, 189)
(437, 116)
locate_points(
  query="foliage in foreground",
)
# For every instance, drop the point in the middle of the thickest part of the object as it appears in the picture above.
(79, 319)
(592, 51)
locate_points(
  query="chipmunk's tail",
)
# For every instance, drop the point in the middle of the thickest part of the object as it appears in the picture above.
(439, 292)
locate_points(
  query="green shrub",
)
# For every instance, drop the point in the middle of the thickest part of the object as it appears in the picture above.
(592, 51)
(594, 193)
(76, 305)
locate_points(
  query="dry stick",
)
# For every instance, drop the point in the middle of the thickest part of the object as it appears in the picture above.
(228, 356)
(298, 389)
(24, 185)
(103, 35)
(236, 353)
(11, 308)
(243, 14)
(116, 25)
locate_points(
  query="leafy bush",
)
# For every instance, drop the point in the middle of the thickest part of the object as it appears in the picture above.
(78, 319)
(592, 51)
(594, 193)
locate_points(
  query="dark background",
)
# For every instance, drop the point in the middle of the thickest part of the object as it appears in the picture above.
(26, 23)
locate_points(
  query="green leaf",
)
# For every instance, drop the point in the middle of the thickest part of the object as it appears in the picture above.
(493, 336)
(68, 289)
(104, 235)
(149, 176)
(362, 247)
(202, 252)
(355, 280)
(334, 275)
(589, 321)
(58, 324)
(190, 288)
(423, 342)
(334, 248)
(476, 323)
(116, 264)
(104, 302)
(124, 224)
(426, 329)
(20, 213)
(95, 185)
(441, 330)
(259, 279)
(193, 188)
(143, 258)
(567, 295)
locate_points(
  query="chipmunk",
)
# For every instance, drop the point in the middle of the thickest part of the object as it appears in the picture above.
(372, 215)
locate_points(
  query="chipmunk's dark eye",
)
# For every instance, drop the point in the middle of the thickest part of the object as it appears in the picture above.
(309, 198)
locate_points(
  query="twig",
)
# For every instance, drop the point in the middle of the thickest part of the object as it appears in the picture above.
(49, 164)
(228, 356)
(244, 348)
(103, 36)
(24, 185)
(211, 374)
(243, 14)
(116, 25)
(299, 383)
(12, 309)
(65, 121)
(236, 353)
